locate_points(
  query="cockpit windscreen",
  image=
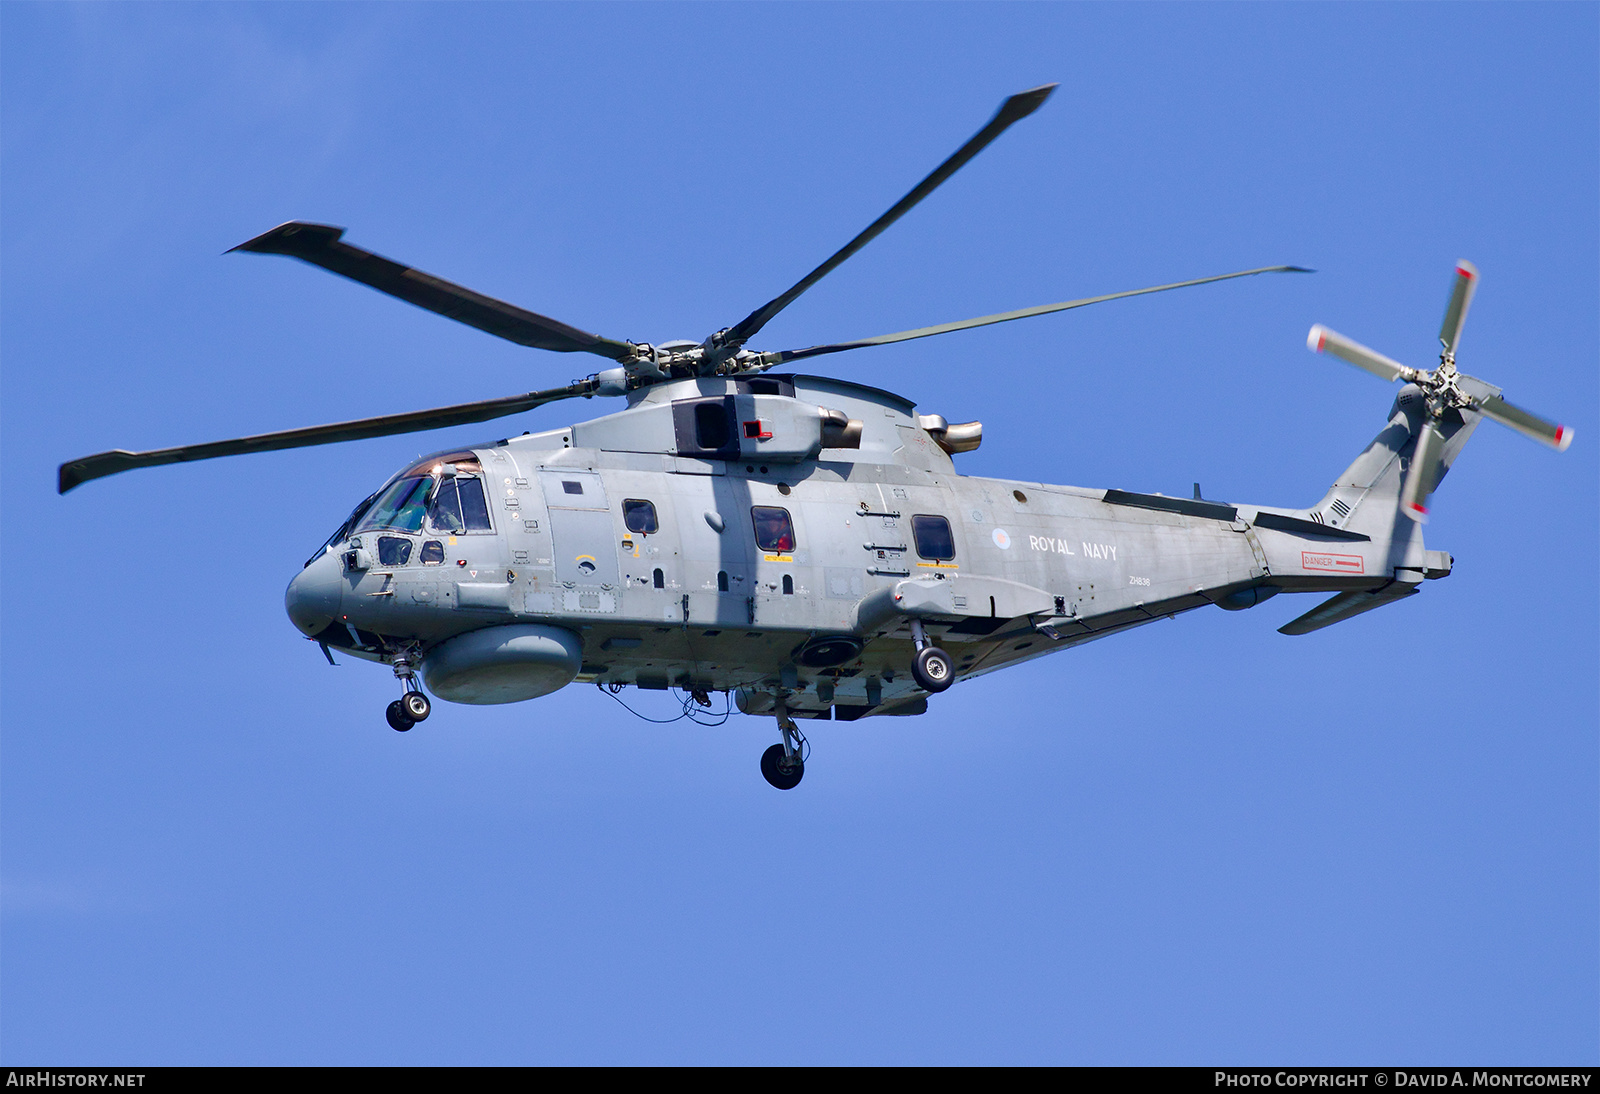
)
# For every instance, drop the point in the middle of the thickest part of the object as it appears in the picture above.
(400, 507)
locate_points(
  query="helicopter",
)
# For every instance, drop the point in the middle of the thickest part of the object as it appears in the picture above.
(804, 545)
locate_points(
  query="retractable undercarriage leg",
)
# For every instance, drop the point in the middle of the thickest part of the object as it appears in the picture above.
(412, 706)
(931, 668)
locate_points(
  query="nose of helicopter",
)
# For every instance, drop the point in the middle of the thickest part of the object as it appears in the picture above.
(312, 599)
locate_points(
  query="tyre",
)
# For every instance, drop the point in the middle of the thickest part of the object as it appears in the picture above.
(933, 669)
(416, 706)
(398, 719)
(781, 774)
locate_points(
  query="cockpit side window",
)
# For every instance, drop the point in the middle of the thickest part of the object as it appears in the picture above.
(393, 551)
(459, 506)
(444, 514)
(474, 507)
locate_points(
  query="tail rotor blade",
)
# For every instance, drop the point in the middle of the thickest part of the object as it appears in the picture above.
(1419, 480)
(1556, 436)
(1323, 340)
(1455, 313)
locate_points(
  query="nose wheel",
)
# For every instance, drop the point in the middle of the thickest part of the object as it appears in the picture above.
(398, 719)
(784, 765)
(413, 706)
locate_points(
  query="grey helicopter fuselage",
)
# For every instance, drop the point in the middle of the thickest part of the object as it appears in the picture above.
(794, 540)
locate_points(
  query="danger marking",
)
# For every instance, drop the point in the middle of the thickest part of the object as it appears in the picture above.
(1339, 564)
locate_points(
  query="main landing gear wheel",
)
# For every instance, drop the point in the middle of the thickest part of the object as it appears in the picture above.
(416, 706)
(933, 669)
(785, 774)
(398, 718)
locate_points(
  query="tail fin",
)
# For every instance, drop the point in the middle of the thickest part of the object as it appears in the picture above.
(1366, 499)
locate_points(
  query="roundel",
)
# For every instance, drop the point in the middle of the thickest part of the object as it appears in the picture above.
(1001, 540)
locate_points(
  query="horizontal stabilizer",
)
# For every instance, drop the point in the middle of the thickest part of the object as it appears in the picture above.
(1341, 607)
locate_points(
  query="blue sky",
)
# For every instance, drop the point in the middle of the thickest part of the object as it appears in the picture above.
(1201, 842)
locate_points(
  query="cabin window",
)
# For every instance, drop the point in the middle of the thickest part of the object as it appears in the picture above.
(660, 579)
(432, 553)
(711, 425)
(639, 516)
(788, 585)
(774, 529)
(934, 539)
(722, 581)
(459, 506)
(393, 551)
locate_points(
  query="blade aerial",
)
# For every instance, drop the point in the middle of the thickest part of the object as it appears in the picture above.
(1556, 436)
(1419, 480)
(102, 464)
(321, 245)
(1455, 312)
(785, 356)
(1323, 340)
(1014, 109)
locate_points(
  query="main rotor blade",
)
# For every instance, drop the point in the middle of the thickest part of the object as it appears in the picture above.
(1455, 312)
(1419, 480)
(1014, 109)
(102, 464)
(320, 245)
(1556, 436)
(787, 355)
(1323, 340)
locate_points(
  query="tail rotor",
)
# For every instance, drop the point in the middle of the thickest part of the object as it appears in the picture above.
(1441, 387)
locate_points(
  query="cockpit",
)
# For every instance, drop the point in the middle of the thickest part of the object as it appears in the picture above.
(450, 500)
(442, 495)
